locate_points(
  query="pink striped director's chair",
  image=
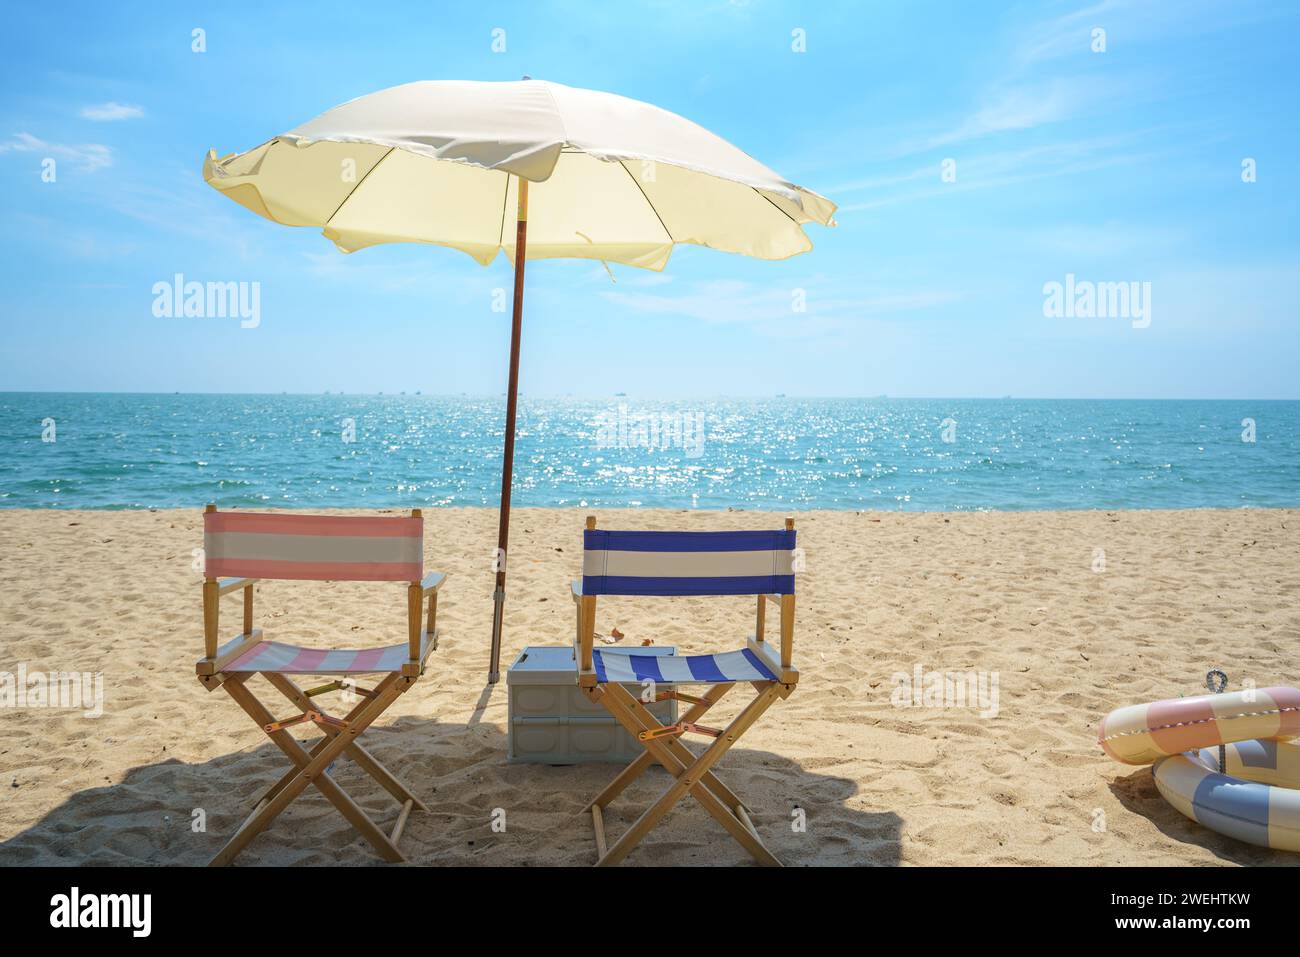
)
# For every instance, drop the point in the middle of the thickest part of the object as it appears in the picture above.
(240, 548)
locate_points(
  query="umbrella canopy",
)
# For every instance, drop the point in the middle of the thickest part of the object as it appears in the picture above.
(440, 162)
(447, 161)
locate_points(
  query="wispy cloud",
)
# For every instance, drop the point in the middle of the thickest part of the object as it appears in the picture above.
(1002, 168)
(1021, 100)
(457, 279)
(111, 111)
(1017, 104)
(87, 157)
(1017, 108)
(815, 308)
(75, 240)
(1028, 91)
(1133, 23)
(1068, 34)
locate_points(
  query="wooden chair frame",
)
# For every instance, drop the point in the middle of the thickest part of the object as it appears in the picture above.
(692, 774)
(340, 734)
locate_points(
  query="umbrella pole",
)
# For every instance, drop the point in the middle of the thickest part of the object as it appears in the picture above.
(508, 462)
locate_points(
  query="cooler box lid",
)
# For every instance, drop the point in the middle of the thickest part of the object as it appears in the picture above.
(555, 665)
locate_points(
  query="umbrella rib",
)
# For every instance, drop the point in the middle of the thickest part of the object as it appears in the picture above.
(352, 192)
(779, 209)
(667, 231)
(505, 203)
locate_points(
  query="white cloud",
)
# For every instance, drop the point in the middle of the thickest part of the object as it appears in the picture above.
(770, 309)
(459, 281)
(110, 111)
(1013, 106)
(1020, 108)
(1071, 33)
(1131, 24)
(999, 169)
(76, 240)
(88, 157)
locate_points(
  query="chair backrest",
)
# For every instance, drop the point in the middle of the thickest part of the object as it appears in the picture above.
(313, 547)
(688, 563)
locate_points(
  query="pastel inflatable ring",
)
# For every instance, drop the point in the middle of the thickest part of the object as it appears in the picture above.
(1145, 733)
(1256, 801)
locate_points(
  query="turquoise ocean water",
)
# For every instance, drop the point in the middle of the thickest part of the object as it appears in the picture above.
(296, 451)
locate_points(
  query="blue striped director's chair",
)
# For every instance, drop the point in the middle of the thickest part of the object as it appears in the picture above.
(685, 563)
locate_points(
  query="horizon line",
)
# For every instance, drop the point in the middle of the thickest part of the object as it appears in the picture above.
(657, 396)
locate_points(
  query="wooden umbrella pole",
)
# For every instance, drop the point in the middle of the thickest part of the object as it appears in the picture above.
(508, 462)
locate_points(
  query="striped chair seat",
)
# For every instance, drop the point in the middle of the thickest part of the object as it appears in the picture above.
(620, 666)
(291, 659)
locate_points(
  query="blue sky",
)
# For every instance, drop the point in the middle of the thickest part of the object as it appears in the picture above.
(1116, 166)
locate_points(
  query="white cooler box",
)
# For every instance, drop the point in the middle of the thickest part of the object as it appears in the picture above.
(551, 722)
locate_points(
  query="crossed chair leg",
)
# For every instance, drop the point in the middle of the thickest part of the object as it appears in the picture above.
(692, 774)
(310, 767)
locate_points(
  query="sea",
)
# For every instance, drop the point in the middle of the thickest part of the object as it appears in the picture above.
(118, 451)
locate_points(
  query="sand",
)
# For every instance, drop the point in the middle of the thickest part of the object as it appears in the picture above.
(1020, 595)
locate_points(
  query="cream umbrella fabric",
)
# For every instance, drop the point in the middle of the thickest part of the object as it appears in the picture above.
(483, 167)
(612, 178)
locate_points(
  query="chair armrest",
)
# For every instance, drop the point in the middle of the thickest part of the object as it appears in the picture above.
(422, 637)
(213, 590)
(780, 656)
(772, 658)
(226, 585)
(585, 608)
(227, 653)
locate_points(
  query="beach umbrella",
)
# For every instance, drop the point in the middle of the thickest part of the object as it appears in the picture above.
(578, 173)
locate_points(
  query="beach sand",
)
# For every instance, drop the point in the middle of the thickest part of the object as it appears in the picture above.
(1015, 594)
